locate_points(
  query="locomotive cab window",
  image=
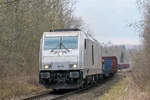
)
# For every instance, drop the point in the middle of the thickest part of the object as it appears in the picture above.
(61, 42)
(51, 43)
(70, 42)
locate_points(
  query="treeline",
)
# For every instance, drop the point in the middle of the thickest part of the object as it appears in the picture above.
(141, 59)
(122, 53)
(22, 23)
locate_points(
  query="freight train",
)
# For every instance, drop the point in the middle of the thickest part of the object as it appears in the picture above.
(69, 59)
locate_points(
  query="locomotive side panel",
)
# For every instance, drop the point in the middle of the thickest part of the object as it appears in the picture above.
(98, 56)
(92, 56)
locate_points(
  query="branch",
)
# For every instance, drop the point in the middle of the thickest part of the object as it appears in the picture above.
(8, 2)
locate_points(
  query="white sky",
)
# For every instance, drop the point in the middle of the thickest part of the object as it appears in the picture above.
(109, 19)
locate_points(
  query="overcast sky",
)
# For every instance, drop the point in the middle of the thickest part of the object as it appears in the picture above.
(109, 19)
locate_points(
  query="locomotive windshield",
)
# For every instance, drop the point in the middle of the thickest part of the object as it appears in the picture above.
(51, 43)
(70, 42)
(63, 42)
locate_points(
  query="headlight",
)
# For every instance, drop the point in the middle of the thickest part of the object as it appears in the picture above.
(74, 66)
(60, 53)
(46, 67)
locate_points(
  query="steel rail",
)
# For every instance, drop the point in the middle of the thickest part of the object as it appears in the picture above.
(39, 94)
(51, 96)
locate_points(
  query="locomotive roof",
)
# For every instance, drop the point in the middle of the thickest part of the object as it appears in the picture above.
(63, 33)
(60, 30)
(71, 31)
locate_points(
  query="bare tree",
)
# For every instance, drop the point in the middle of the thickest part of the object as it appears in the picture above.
(140, 61)
(22, 23)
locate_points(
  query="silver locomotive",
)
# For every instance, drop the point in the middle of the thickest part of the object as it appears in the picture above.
(69, 58)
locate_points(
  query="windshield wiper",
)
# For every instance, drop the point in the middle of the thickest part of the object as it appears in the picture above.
(52, 50)
(64, 47)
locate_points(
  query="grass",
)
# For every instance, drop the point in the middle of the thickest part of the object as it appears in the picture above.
(15, 87)
(117, 92)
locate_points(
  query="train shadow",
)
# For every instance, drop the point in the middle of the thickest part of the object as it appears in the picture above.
(62, 91)
(104, 85)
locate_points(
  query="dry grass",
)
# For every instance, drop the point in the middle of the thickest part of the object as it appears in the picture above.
(117, 91)
(135, 92)
(17, 86)
(125, 89)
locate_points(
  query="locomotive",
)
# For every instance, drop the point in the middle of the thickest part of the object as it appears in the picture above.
(69, 59)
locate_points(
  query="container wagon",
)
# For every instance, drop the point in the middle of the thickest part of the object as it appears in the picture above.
(109, 65)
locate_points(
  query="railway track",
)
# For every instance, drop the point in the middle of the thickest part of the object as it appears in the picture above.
(50, 95)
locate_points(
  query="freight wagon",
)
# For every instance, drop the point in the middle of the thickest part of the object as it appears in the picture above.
(123, 66)
(109, 65)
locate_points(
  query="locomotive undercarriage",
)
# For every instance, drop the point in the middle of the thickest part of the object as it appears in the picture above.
(61, 79)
